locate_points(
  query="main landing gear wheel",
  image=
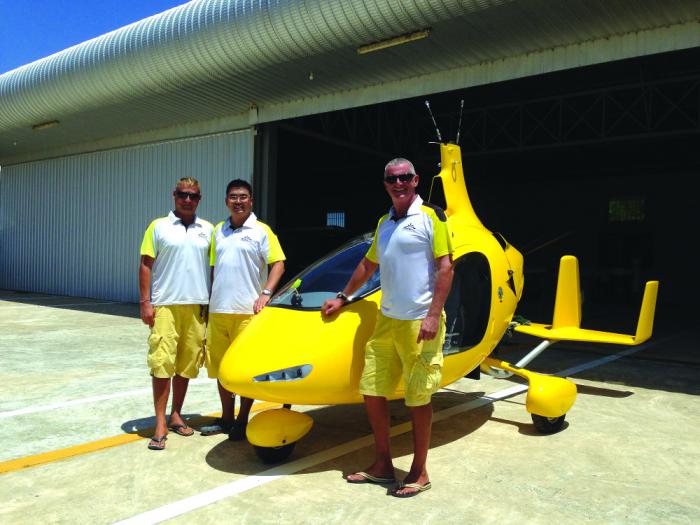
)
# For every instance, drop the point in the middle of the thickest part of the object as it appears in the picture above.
(274, 454)
(548, 425)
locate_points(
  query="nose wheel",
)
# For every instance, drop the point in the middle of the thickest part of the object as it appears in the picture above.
(274, 454)
(548, 425)
(274, 433)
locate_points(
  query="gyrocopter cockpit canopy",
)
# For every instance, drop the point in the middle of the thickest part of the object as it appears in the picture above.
(326, 277)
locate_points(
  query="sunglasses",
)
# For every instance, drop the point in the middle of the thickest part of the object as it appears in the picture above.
(403, 177)
(184, 195)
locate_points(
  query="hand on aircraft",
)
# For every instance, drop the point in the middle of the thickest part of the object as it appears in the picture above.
(330, 306)
(260, 303)
(148, 313)
(428, 328)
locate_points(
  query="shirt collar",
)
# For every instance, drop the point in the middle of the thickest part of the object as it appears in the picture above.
(174, 219)
(249, 222)
(413, 209)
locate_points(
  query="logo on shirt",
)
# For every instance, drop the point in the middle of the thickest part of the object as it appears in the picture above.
(410, 227)
(245, 238)
(203, 236)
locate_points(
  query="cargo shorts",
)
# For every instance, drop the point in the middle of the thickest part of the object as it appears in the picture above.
(176, 341)
(392, 353)
(221, 331)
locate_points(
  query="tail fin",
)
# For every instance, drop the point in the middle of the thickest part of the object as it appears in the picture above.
(645, 325)
(567, 305)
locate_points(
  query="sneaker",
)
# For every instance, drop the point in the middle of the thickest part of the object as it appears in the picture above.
(219, 427)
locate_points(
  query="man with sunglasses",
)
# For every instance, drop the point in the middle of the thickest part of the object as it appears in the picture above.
(242, 248)
(174, 287)
(412, 245)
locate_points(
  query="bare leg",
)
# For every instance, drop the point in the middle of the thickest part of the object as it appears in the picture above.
(161, 392)
(244, 411)
(422, 420)
(227, 404)
(180, 385)
(378, 415)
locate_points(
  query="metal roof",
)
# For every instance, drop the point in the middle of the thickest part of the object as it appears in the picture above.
(213, 65)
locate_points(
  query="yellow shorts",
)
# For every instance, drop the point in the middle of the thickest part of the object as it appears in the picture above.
(221, 331)
(392, 352)
(176, 343)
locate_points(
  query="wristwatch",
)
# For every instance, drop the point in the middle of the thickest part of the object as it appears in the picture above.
(341, 295)
(266, 291)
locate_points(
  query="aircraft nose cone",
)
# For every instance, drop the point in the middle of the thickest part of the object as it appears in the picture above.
(294, 356)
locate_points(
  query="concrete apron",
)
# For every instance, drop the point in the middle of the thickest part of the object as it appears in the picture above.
(629, 453)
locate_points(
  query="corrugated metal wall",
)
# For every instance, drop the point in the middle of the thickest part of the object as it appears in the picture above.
(73, 225)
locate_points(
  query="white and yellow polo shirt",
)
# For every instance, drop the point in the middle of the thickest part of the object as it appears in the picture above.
(181, 268)
(405, 250)
(240, 257)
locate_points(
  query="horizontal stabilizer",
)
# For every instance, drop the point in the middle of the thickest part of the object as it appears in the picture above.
(545, 331)
(566, 322)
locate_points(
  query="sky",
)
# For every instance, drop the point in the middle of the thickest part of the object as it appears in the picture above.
(34, 29)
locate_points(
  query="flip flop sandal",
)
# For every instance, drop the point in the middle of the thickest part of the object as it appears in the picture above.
(369, 478)
(181, 430)
(419, 488)
(157, 443)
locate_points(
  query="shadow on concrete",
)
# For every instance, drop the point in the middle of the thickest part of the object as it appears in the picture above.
(335, 425)
(144, 426)
(527, 429)
(598, 391)
(80, 304)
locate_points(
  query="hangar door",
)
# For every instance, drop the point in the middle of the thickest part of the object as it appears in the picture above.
(73, 225)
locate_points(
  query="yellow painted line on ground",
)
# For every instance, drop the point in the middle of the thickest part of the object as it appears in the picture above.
(100, 444)
(64, 453)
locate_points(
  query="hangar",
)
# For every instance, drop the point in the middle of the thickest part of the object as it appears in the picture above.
(580, 132)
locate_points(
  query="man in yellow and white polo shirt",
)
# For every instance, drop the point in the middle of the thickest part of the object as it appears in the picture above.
(242, 248)
(412, 246)
(174, 288)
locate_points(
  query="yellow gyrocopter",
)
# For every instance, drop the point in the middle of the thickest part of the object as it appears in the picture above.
(291, 354)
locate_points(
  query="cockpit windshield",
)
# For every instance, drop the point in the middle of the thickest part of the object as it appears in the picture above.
(325, 278)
